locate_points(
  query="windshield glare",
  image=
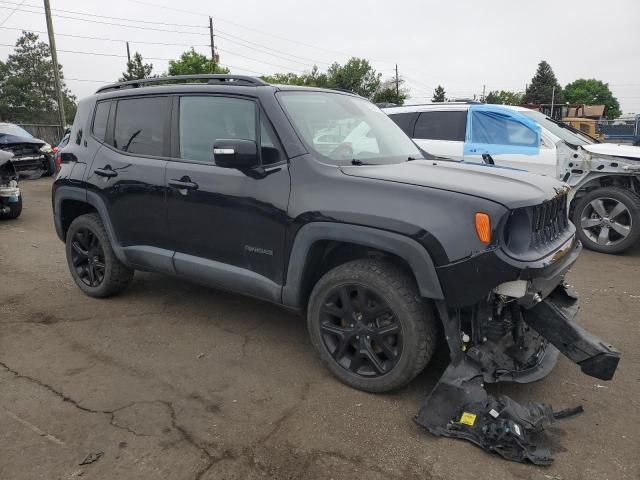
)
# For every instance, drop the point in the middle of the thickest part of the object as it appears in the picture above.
(342, 128)
(564, 132)
(10, 129)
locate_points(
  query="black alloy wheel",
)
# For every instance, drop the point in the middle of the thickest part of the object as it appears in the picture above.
(360, 331)
(87, 257)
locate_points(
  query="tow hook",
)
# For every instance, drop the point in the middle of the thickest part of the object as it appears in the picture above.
(460, 407)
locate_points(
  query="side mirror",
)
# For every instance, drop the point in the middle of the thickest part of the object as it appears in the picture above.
(239, 154)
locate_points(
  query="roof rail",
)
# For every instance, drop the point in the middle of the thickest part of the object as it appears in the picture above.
(212, 79)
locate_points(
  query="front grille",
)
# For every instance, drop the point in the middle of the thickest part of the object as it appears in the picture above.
(24, 150)
(548, 220)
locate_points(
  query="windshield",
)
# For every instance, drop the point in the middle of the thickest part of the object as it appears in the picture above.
(565, 132)
(10, 129)
(344, 129)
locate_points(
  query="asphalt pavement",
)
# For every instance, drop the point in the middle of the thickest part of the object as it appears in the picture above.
(171, 380)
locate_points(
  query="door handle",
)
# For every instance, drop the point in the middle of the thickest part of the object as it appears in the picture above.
(183, 184)
(106, 172)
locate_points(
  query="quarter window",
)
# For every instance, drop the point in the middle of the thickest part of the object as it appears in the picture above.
(100, 120)
(450, 126)
(203, 120)
(140, 126)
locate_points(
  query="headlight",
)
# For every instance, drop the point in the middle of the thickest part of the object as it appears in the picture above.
(46, 148)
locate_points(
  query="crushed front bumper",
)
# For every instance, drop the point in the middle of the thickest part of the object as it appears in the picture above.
(459, 406)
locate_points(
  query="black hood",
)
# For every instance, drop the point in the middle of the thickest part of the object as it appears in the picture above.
(9, 140)
(509, 187)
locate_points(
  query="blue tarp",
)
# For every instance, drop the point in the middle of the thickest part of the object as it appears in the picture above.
(497, 130)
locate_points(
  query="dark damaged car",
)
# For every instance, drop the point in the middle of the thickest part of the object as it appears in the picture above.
(224, 182)
(29, 154)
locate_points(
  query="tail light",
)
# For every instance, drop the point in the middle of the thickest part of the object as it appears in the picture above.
(57, 161)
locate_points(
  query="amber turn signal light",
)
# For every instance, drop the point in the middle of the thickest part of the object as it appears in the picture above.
(483, 227)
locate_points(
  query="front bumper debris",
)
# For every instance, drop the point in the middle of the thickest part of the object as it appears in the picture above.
(460, 407)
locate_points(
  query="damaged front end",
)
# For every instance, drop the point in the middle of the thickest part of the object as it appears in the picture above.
(514, 334)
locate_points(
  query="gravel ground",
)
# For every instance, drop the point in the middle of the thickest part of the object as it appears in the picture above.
(175, 381)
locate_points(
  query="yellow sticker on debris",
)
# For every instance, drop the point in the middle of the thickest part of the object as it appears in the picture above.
(468, 418)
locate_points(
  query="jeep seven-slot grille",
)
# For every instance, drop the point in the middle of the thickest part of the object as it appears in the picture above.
(548, 220)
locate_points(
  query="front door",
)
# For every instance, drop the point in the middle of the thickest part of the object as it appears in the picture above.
(511, 139)
(128, 173)
(227, 225)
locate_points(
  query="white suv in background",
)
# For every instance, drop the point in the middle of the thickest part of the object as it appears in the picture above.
(605, 177)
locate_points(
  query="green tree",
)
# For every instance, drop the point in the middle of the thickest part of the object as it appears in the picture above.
(541, 88)
(504, 97)
(27, 87)
(194, 63)
(136, 69)
(439, 95)
(314, 78)
(387, 93)
(593, 92)
(357, 75)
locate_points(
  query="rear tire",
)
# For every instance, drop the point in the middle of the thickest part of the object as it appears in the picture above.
(15, 209)
(607, 219)
(92, 262)
(352, 336)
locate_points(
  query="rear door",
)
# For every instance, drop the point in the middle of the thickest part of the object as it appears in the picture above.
(128, 174)
(441, 133)
(228, 226)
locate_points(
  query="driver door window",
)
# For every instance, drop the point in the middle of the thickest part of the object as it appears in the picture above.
(203, 120)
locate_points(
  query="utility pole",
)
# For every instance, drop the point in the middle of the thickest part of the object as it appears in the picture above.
(553, 97)
(54, 60)
(397, 83)
(483, 93)
(128, 55)
(213, 45)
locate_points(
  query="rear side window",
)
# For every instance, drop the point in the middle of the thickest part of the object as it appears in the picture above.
(450, 126)
(203, 120)
(405, 121)
(100, 119)
(140, 126)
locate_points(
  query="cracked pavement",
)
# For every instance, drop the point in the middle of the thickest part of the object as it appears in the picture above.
(175, 381)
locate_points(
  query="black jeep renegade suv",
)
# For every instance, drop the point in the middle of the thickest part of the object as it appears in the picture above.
(316, 200)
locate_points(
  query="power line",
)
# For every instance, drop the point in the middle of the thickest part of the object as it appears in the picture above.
(75, 12)
(237, 40)
(115, 55)
(11, 13)
(119, 40)
(164, 30)
(297, 42)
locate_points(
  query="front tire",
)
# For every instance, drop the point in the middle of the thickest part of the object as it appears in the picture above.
(15, 209)
(92, 262)
(369, 326)
(607, 219)
(48, 166)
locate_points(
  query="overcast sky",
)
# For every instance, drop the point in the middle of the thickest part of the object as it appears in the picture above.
(461, 44)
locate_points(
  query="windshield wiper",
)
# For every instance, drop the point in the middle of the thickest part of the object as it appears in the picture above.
(355, 161)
